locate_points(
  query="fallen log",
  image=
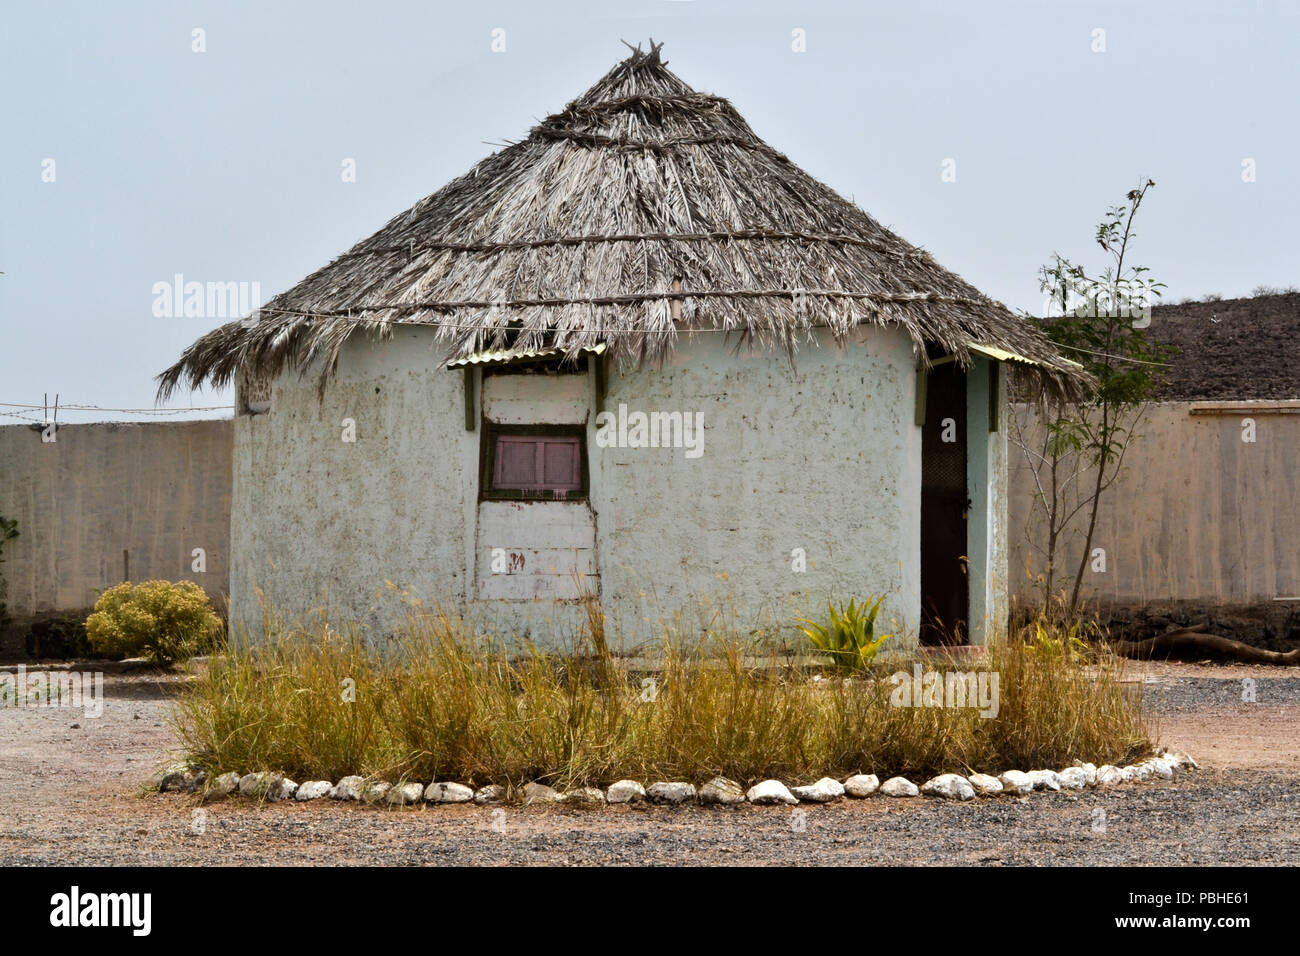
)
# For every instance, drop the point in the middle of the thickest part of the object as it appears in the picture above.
(1193, 642)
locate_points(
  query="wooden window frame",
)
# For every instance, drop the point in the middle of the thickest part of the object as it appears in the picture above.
(487, 462)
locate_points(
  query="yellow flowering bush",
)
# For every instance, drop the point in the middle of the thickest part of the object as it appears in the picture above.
(163, 621)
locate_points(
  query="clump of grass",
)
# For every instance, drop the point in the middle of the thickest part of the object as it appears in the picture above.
(441, 702)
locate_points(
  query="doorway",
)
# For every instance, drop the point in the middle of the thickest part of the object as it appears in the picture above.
(945, 591)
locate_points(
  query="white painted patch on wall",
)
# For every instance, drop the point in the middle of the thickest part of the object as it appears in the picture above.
(547, 548)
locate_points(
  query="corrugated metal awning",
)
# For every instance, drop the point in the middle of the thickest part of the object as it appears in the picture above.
(517, 356)
(1002, 355)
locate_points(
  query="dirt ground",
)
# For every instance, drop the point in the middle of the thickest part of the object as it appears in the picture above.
(74, 795)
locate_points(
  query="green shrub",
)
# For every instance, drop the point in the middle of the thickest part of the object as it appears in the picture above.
(162, 621)
(850, 639)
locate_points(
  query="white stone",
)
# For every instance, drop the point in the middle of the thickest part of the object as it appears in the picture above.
(1045, 779)
(625, 791)
(405, 794)
(672, 793)
(721, 790)
(1183, 761)
(899, 787)
(823, 791)
(950, 786)
(1109, 776)
(225, 784)
(1072, 778)
(349, 788)
(770, 791)
(1164, 769)
(1016, 781)
(539, 793)
(861, 785)
(266, 785)
(585, 796)
(313, 790)
(985, 785)
(254, 784)
(446, 792)
(492, 793)
(1089, 774)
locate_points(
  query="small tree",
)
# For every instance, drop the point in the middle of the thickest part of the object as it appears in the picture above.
(1101, 324)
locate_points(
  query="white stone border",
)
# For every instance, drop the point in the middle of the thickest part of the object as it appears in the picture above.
(720, 791)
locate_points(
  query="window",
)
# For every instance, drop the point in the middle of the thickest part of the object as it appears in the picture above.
(540, 462)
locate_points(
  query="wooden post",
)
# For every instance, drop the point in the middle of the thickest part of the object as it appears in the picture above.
(470, 415)
(598, 366)
(995, 396)
(922, 385)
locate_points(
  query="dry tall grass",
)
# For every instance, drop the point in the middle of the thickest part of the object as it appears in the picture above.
(442, 704)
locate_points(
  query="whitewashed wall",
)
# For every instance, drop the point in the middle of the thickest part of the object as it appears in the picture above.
(824, 456)
(319, 522)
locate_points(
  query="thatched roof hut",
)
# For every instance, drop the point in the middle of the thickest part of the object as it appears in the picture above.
(641, 212)
(474, 460)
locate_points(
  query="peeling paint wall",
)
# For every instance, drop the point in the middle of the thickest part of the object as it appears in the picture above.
(548, 549)
(156, 490)
(322, 522)
(824, 457)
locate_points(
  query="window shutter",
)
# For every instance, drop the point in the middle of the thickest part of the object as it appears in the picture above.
(516, 463)
(561, 464)
(541, 466)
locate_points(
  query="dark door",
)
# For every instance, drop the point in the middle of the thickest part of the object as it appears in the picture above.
(945, 595)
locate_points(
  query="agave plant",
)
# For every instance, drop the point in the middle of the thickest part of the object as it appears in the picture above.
(1058, 642)
(850, 639)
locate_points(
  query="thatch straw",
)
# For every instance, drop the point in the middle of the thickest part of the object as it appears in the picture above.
(643, 210)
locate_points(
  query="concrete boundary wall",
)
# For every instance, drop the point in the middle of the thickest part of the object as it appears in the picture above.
(1199, 514)
(1207, 509)
(156, 490)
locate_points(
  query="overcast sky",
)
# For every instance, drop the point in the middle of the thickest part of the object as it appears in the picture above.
(129, 158)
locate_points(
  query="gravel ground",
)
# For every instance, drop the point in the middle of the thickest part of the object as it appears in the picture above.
(74, 796)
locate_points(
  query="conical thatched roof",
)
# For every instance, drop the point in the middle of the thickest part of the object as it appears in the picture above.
(643, 210)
